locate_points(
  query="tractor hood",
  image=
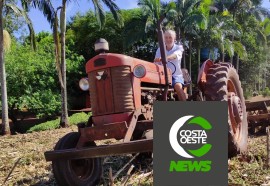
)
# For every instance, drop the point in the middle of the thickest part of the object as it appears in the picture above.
(154, 73)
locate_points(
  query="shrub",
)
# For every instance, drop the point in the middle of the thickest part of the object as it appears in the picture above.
(54, 124)
(266, 92)
(247, 94)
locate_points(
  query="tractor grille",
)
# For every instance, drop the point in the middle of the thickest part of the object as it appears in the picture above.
(111, 92)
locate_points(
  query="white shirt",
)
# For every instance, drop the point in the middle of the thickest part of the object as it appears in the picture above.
(175, 64)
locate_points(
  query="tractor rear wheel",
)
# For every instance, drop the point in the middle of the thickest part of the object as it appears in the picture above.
(223, 84)
(76, 172)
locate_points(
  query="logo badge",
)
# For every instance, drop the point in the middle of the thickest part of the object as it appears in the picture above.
(190, 143)
(101, 75)
(190, 137)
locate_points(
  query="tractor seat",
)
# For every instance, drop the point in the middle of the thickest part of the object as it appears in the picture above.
(186, 76)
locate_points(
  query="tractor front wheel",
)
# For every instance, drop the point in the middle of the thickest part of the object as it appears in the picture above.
(222, 84)
(76, 172)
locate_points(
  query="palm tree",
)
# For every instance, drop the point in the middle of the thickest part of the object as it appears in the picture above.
(240, 10)
(225, 30)
(5, 122)
(152, 9)
(64, 114)
(190, 18)
(21, 13)
(184, 15)
(51, 14)
(100, 14)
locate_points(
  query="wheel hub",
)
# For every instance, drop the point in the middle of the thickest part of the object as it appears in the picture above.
(82, 168)
(236, 107)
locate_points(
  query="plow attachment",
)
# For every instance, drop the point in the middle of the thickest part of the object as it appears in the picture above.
(101, 151)
(258, 115)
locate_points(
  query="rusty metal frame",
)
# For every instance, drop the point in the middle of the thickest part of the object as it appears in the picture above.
(259, 117)
(101, 151)
(101, 132)
(257, 111)
(132, 125)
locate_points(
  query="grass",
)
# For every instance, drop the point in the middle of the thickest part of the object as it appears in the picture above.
(54, 124)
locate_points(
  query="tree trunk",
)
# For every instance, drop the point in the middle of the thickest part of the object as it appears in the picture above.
(223, 55)
(5, 122)
(265, 73)
(199, 58)
(259, 79)
(184, 58)
(231, 58)
(190, 86)
(178, 35)
(264, 79)
(237, 63)
(184, 53)
(64, 113)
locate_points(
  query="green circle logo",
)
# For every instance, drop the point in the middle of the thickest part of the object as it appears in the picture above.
(190, 136)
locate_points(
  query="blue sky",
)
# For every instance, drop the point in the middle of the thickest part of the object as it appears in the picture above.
(82, 6)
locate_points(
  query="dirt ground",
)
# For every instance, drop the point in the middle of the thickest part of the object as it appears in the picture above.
(26, 151)
(258, 98)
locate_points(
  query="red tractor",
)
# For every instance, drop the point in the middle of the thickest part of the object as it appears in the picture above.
(123, 90)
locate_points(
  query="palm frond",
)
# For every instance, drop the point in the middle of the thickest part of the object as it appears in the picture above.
(149, 25)
(240, 49)
(25, 5)
(99, 12)
(46, 7)
(266, 25)
(171, 14)
(132, 27)
(169, 6)
(24, 14)
(115, 11)
(261, 37)
(260, 13)
(228, 45)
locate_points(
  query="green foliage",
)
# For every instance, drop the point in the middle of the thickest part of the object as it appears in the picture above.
(79, 118)
(233, 28)
(49, 125)
(266, 92)
(247, 94)
(83, 31)
(32, 81)
(54, 124)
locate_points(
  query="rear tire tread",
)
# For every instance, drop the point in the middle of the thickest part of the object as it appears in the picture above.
(216, 90)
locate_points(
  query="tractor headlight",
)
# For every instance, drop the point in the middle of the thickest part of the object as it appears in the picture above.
(84, 84)
(139, 71)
